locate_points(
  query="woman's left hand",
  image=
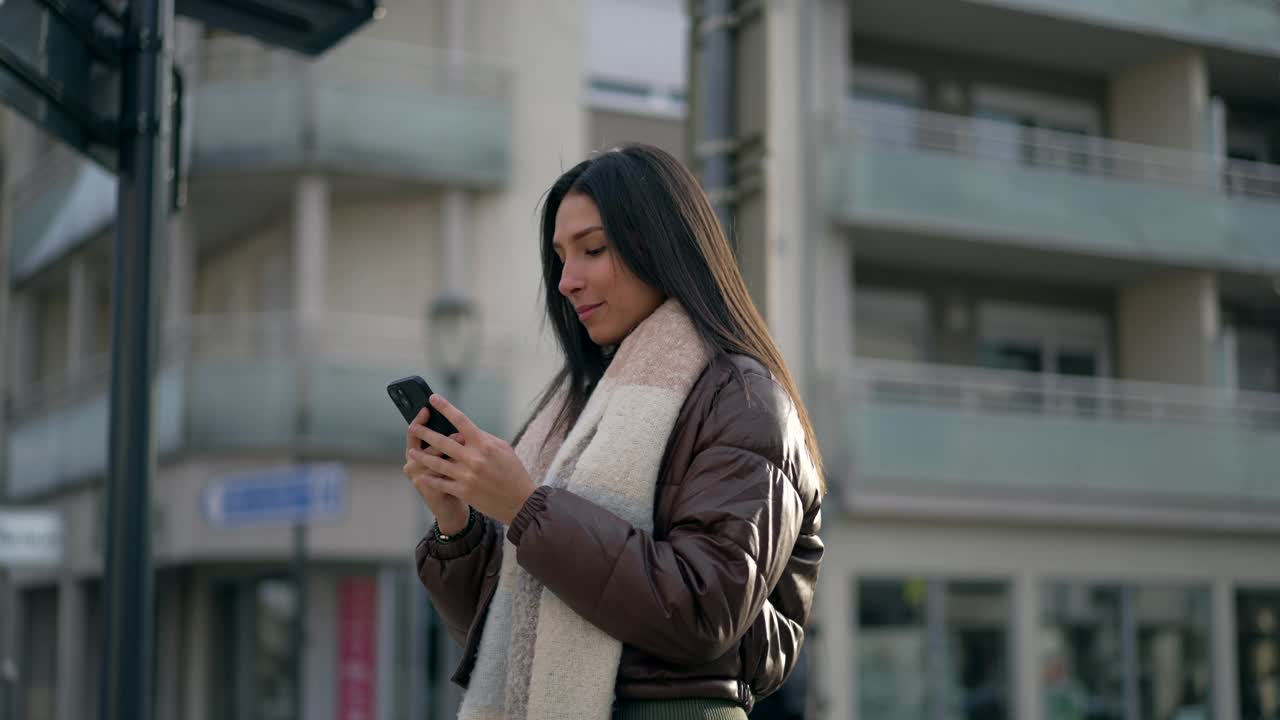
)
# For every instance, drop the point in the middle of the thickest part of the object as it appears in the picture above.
(484, 472)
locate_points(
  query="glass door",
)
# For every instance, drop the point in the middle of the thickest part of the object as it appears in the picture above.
(252, 647)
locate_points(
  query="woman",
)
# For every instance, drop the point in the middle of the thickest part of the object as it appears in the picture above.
(649, 548)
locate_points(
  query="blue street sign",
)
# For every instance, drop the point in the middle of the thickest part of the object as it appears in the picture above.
(282, 496)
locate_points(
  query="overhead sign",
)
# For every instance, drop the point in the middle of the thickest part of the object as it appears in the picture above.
(305, 26)
(281, 496)
(30, 538)
(60, 67)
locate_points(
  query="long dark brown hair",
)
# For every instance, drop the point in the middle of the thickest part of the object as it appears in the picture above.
(662, 225)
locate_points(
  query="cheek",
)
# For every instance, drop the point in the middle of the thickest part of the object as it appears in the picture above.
(606, 277)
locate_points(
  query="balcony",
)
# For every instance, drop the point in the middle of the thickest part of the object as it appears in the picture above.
(902, 168)
(246, 383)
(1248, 25)
(369, 108)
(945, 431)
(58, 206)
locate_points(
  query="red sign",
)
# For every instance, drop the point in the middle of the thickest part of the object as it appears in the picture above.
(357, 648)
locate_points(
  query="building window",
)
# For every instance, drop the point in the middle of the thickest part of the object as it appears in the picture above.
(1037, 129)
(1117, 652)
(930, 647)
(1258, 648)
(891, 324)
(1044, 339)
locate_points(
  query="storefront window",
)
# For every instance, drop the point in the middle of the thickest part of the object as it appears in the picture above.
(252, 636)
(1173, 652)
(933, 648)
(1112, 652)
(275, 607)
(1081, 653)
(1258, 636)
(38, 672)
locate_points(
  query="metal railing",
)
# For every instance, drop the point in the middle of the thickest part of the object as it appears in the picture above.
(981, 390)
(371, 107)
(336, 338)
(359, 62)
(984, 139)
(250, 383)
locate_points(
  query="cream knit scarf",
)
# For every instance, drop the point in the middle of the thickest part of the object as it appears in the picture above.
(538, 659)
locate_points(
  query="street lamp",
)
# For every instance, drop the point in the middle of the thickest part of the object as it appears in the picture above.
(451, 337)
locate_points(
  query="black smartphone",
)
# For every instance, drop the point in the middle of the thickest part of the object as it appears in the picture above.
(411, 394)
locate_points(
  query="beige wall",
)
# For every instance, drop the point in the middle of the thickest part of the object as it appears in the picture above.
(416, 21)
(1164, 102)
(545, 45)
(425, 22)
(24, 145)
(234, 278)
(384, 517)
(1167, 327)
(384, 255)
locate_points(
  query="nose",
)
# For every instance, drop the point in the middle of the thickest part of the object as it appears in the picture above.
(570, 279)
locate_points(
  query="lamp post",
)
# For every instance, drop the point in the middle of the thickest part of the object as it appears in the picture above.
(452, 338)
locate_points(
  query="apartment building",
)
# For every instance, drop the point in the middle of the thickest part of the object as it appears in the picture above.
(1022, 254)
(1034, 301)
(330, 205)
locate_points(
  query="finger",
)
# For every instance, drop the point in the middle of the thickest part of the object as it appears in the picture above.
(427, 482)
(445, 444)
(456, 437)
(419, 419)
(437, 465)
(456, 416)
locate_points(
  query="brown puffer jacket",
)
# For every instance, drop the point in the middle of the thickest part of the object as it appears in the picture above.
(714, 602)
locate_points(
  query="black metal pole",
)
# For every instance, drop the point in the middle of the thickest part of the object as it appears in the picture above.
(300, 617)
(141, 206)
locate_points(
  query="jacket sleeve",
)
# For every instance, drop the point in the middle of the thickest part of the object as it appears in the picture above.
(690, 597)
(453, 572)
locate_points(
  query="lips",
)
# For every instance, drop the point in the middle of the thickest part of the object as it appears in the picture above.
(586, 311)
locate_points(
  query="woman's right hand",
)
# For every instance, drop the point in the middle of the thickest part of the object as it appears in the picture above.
(450, 512)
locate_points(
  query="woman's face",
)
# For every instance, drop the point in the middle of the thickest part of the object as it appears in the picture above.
(611, 301)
